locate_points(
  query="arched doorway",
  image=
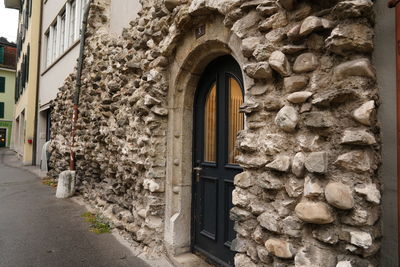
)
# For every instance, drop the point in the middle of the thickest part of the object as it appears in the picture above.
(216, 123)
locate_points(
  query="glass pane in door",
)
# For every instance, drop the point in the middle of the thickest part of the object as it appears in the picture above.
(236, 119)
(210, 126)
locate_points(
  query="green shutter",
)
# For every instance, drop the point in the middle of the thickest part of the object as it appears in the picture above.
(1, 110)
(1, 54)
(2, 84)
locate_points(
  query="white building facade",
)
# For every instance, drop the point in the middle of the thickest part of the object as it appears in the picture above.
(60, 36)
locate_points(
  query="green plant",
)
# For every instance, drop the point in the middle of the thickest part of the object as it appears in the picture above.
(97, 223)
(49, 181)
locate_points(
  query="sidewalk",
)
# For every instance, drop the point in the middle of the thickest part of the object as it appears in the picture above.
(11, 159)
(36, 229)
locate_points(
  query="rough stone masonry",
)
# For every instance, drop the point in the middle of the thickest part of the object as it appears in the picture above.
(309, 194)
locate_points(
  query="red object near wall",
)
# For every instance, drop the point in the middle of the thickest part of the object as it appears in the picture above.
(30, 141)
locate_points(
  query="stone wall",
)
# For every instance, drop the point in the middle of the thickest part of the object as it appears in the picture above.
(309, 193)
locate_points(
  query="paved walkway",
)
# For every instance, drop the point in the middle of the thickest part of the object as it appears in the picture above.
(36, 229)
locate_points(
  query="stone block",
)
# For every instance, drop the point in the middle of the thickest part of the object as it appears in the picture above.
(280, 248)
(280, 63)
(353, 9)
(270, 182)
(314, 212)
(273, 103)
(288, 4)
(357, 67)
(267, 10)
(344, 264)
(366, 113)
(260, 70)
(361, 239)
(370, 192)
(317, 162)
(350, 38)
(244, 180)
(242, 27)
(305, 63)
(357, 137)
(318, 119)
(339, 195)
(250, 106)
(294, 187)
(333, 97)
(299, 97)
(314, 256)
(327, 234)
(292, 226)
(281, 163)
(241, 260)
(287, 119)
(249, 44)
(295, 83)
(66, 184)
(298, 164)
(357, 161)
(270, 221)
(238, 214)
(310, 24)
(312, 187)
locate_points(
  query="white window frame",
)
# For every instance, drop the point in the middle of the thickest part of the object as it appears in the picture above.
(71, 28)
(54, 44)
(65, 31)
(48, 48)
(61, 39)
(51, 36)
(78, 16)
(58, 26)
(67, 22)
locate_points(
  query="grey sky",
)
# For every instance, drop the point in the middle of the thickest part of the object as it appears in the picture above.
(8, 22)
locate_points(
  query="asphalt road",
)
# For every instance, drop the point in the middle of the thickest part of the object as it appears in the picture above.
(36, 229)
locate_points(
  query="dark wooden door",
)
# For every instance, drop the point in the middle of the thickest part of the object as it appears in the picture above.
(3, 137)
(217, 122)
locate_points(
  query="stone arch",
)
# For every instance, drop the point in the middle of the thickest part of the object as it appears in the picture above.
(191, 57)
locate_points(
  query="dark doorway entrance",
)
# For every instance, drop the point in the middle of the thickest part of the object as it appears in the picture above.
(217, 122)
(3, 137)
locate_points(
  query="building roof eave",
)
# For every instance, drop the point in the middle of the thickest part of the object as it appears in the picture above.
(15, 4)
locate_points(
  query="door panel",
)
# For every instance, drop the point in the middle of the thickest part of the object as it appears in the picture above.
(216, 123)
(209, 222)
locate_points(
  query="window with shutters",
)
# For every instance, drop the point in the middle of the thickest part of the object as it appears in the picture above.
(2, 84)
(1, 54)
(28, 55)
(1, 110)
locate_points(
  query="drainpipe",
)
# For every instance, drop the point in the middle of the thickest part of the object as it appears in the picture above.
(78, 85)
(35, 133)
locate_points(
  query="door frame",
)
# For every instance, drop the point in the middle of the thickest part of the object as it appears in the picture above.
(6, 134)
(191, 58)
(200, 96)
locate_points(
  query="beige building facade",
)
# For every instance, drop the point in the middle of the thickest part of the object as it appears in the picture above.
(27, 77)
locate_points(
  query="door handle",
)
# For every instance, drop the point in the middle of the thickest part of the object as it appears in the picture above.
(197, 170)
